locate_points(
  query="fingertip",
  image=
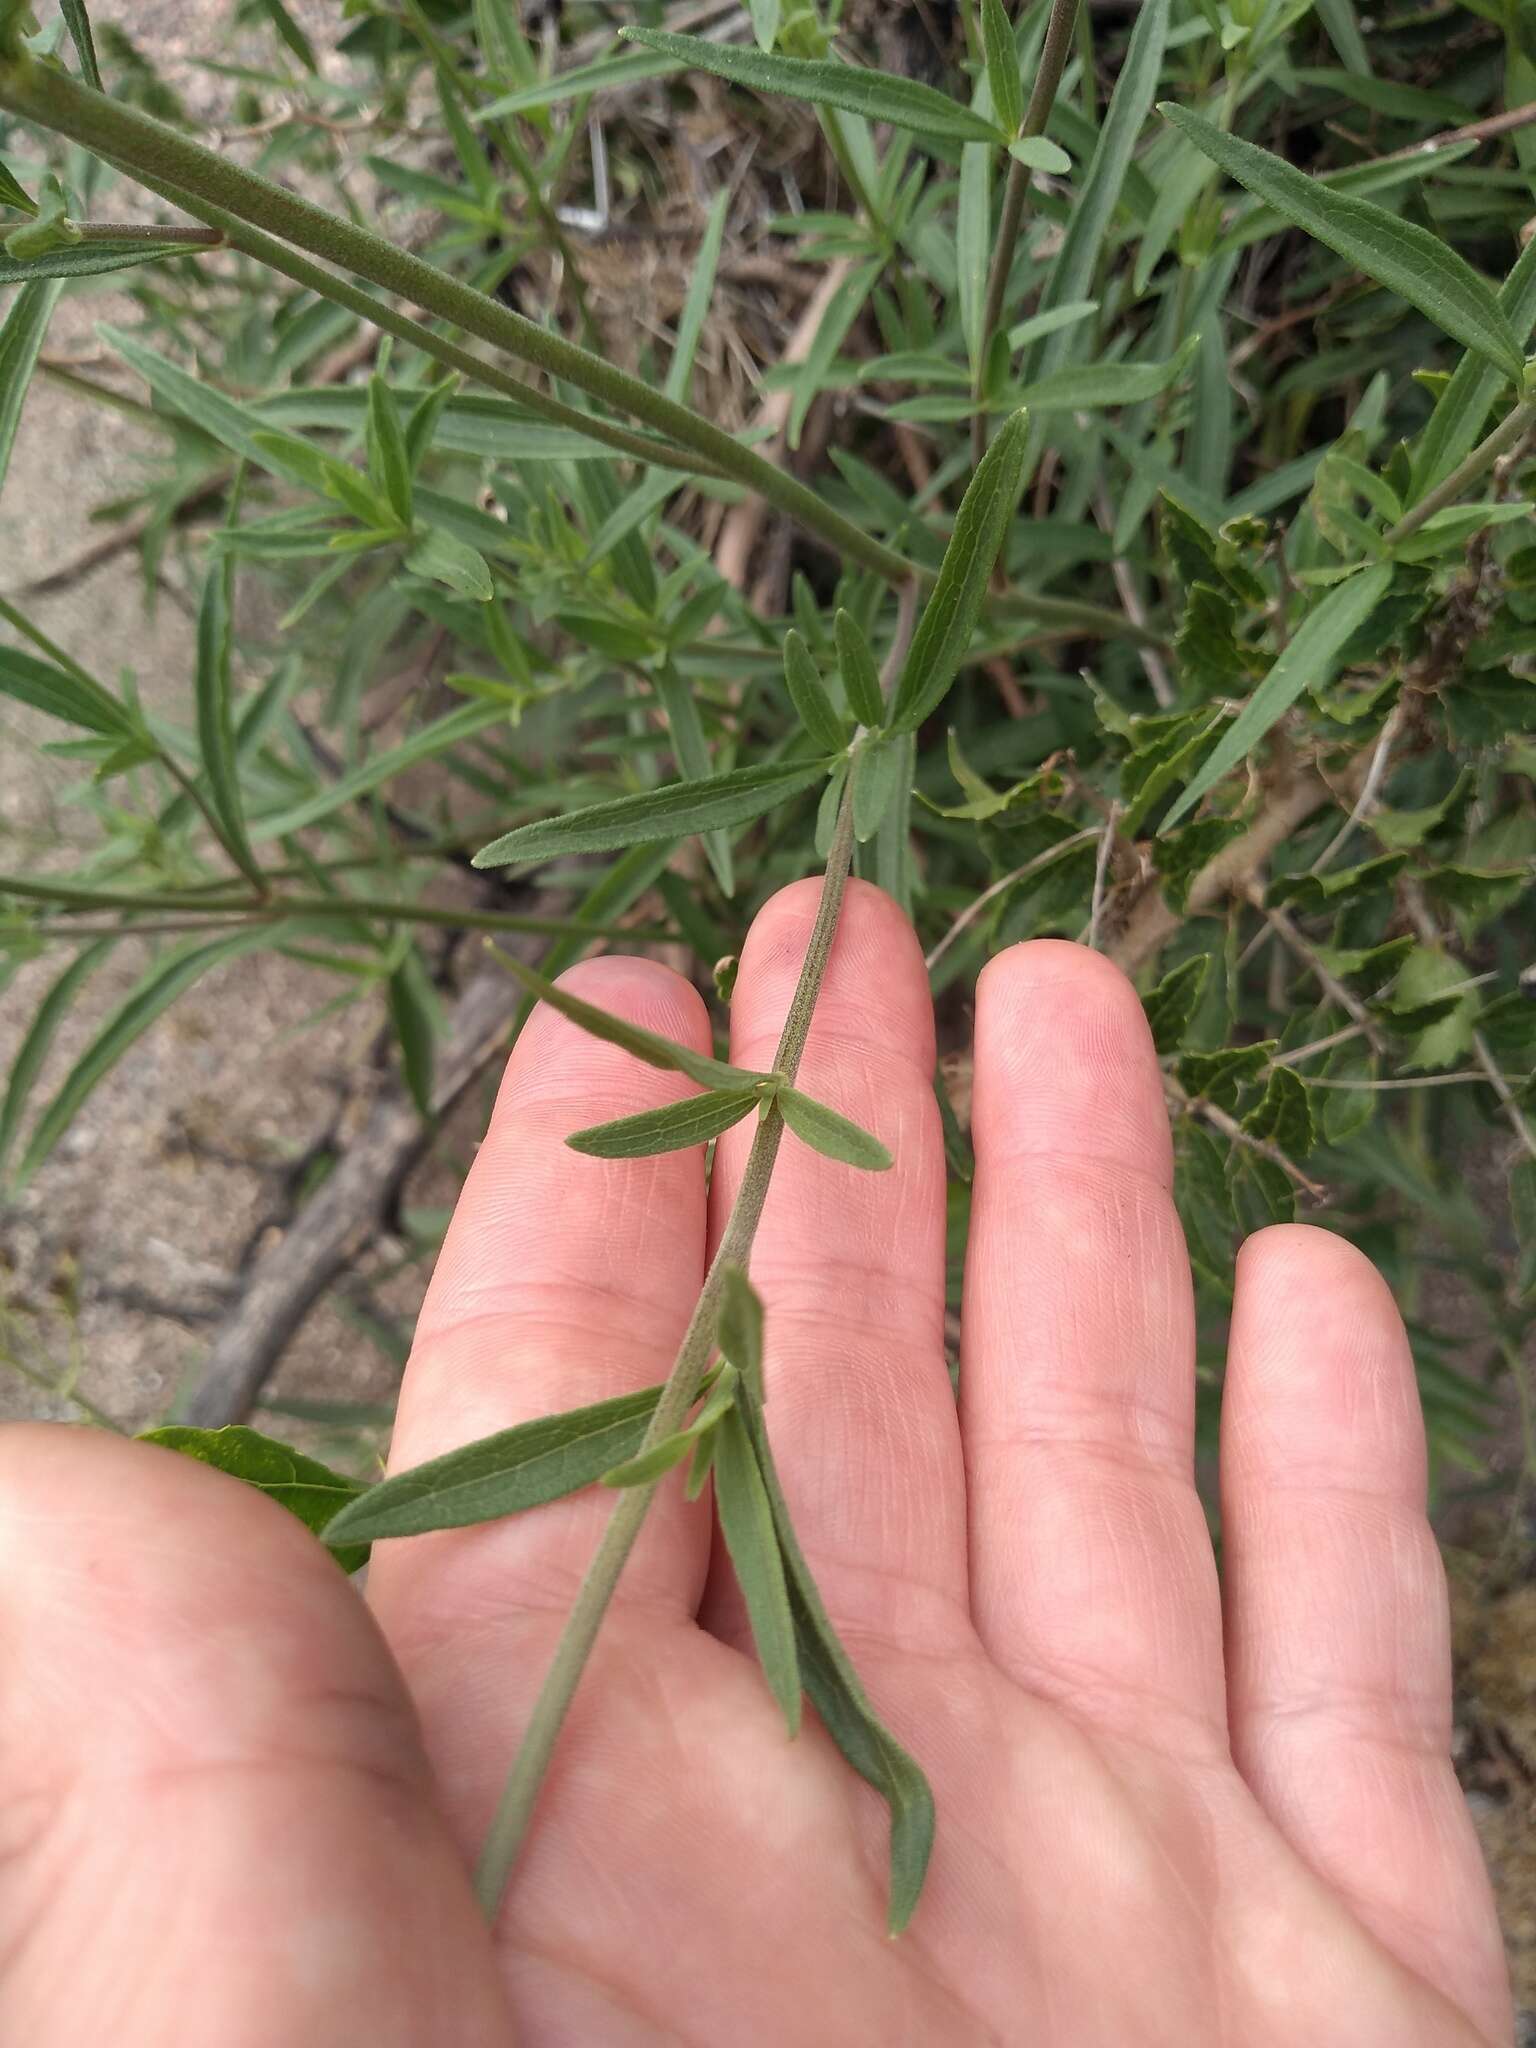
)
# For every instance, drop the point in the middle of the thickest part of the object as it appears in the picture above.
(1065, 1061)
(1320, 1375)
(555, 1055)
(876, 987)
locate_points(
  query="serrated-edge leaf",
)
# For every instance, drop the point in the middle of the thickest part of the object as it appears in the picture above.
(672, 1128)
(1306, 659)
(649, 1046)
(1396, 253)
(504, 1474)
(746, 1522)
(1171, 1004)
(835, 1137)
(876, 95)
(674, 812)
(954, 604)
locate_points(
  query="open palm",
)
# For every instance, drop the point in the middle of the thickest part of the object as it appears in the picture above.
(1158, 1822)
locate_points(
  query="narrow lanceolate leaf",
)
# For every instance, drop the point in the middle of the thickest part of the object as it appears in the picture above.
(861, 678)
(61, 692)
(877, 95)
(1406, 259)
(33, 1050)
(167, 978)
(78, 22)
(1096, 385)
(1462, 407)
(87, 259)
(310, 1491)
(673, 1128)
(290, 32)
(691, 322)
(413, 1013)
(454, 563)
(389, 461)
(954, 605)
(503, 1474)
(1074, 268)
(670, 813)
(1002, 57)
(13, 194)
(808, 695)
(877, 772)
(21, 339)
(215, 721)
(746, 1522)
(739, 1330)
(656, 1460)
(830, 1134)
(645, 1045)
(828, 1676)
(1307, 658)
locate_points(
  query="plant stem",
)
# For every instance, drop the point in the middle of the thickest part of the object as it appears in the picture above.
(66, 898)
(106, 231)
(1511, 429)
(1053, 61)
(140, 144)
(275, 255)
(555, 1695)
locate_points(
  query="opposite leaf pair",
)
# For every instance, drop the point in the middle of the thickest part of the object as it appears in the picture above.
(731, 1093)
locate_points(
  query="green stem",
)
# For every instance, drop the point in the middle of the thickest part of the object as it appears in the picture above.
(66, 898)
(275, 255)
(111, 231)
(1053, 61)
(597, 1588)
(1510, 430)
(140, 144)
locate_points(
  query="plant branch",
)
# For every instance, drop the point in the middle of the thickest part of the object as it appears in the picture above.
(1053, 61)
(65, 897)
(140, 144)
(132, 232)
(521, 1792)
(1511, 429)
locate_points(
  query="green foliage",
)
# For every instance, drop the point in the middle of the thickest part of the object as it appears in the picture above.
(1239, 620)
(310, 1491)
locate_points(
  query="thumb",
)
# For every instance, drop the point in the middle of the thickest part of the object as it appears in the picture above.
(216, 1821)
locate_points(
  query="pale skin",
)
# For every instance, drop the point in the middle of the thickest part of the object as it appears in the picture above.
(237, 1806)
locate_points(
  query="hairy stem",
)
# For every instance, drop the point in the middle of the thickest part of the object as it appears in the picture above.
(132, 232)
(1507, 434)
(1053, 61)
(597, 1588)
(275, 255)
(140, 144)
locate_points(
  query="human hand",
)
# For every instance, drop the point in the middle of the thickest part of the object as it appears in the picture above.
(217, 1822)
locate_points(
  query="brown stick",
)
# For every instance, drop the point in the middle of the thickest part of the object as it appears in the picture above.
(1152, 922)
